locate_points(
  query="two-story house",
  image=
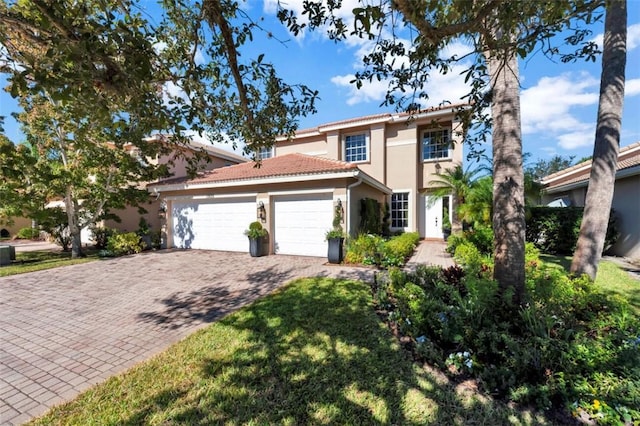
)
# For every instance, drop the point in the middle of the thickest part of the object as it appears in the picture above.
(299, 183)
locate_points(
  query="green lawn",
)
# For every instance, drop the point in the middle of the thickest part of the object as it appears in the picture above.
(611, 278)
(46, 259)
(312, 353)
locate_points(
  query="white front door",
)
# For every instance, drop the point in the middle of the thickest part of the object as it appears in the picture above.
(212, 224)
(433, 217)
(301, 222)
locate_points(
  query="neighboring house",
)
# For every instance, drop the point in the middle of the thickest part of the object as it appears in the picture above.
(569, 187)
(178, 167)
(10, 228)
(391, 158)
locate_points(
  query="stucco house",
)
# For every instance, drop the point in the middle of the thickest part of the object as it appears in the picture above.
(178, 167)
(569, 187)
(391, 158)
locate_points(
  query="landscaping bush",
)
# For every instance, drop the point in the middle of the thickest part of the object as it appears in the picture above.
(480, 237)
(123, 244)
(364, 249)
(555, 230)
(567, 345)
(368, 249)
(101, 235)
(28, 234)
(397, 250)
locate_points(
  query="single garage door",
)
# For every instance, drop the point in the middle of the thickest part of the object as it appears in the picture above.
(213, 224)
(301, 222)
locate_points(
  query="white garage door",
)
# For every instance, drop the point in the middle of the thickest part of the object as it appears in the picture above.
(301, 222)
(213, 225)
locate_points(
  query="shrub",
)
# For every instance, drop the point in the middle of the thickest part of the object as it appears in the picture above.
(255, 231)
(28, 234)
(482, 237)
(100, 236)
(555, 230)
(397, 250)
(364, 249)
(123, 244)
(567, 345)
(370, 249)
(370, 216)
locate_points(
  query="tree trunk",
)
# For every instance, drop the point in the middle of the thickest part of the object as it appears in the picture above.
(74, 229)
(508, 175)
(607, 144)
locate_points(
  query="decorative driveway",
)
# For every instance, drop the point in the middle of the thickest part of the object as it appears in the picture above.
(64, 330)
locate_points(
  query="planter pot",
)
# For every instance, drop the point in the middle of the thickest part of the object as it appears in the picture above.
(446, 233)
(335, 253)
(255, 247)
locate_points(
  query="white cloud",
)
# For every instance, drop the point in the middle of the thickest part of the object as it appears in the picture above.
(576, 139)
(546, 106)
(632, 87)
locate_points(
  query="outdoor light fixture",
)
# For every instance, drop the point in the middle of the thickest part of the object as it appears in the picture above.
(162, 211)
(261, 212)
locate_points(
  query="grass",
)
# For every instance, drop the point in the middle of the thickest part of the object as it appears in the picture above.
(312, 353)
(611, 279)
(31, 261)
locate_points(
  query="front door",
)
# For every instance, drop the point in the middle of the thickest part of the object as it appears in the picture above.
(433, 217)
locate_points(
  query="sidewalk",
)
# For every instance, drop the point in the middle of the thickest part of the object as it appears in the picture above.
(430, 253)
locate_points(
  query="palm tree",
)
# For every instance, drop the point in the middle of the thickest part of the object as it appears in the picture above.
(457, 183)
(478, 204)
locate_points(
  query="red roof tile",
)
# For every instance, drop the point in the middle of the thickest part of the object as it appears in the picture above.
(284, 165)
(629, 156)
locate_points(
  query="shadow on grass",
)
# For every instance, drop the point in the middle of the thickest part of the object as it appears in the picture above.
(312, 353)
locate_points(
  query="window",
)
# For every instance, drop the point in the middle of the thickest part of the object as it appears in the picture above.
(400, 210)
(435, 144)
(265, 152)
(355, 148)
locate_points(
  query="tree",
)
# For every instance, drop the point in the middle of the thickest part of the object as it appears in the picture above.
(499, 33)
(533, 174)
(607, 142)
(456, 182)
(97, 75)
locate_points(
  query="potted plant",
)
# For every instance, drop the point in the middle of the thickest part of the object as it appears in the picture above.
(335, 237)
(446, 224)
(256, 233)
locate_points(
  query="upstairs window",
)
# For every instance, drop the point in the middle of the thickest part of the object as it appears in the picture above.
(400, 210)
(436, 144)
(355, 148)
(265, 152)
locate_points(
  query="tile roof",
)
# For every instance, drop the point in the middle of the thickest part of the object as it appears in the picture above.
(284, 165)
(629, 156)
(378, 117)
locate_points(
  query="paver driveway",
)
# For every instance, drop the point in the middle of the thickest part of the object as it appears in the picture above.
(66, 329)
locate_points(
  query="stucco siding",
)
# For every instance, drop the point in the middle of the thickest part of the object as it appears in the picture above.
(17, 224)
(626, 203)
(358, 193)
(316, 145)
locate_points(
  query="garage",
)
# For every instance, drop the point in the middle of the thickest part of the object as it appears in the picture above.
(212, 224)
(301, 222)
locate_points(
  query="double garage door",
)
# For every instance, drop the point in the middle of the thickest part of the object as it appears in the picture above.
(299, 224)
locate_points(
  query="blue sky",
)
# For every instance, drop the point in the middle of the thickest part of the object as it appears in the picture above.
(558, 101)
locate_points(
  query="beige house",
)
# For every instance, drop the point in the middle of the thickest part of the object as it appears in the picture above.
(391, 158)
(569, 187)
(178, 167)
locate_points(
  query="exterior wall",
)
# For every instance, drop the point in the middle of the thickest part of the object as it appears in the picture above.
(356, 194)
(179, 167)
(626, 203)
(314, 145)
(18, 224)
(130, 218)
